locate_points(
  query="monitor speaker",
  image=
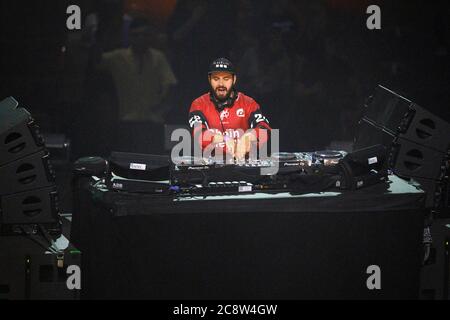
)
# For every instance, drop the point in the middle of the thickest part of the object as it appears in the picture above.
(362, 168)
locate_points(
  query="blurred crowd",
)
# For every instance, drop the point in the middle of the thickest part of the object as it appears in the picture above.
(136, 65)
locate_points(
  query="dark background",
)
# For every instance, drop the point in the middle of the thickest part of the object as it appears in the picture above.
(317, 61)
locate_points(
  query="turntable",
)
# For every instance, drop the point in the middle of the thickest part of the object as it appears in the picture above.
(327, 157)
(283, 156)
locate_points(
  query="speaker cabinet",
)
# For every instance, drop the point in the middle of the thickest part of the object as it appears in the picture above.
(424, 128)
(33, 171)
(35, 206)
(368, 135)
(400, 117)
(417, 141)
(28, 193)
(19, 134)
(386, 109)
(409, 159)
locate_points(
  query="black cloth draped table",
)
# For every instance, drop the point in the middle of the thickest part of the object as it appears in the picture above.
(249, 246)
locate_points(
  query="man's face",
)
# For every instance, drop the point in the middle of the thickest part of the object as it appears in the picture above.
(141, 38)
(222, 84)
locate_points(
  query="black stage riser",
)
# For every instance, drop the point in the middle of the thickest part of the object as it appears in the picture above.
(258, 256)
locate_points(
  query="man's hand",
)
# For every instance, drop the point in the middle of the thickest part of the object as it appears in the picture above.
(238, 149)
(217, 138)
(244, 144)
(229, 142)
(231, 145)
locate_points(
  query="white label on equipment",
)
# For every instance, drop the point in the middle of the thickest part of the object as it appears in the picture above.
(138, 166)
(373, 160)
(359, 184)
(245, 188)
(117, 185)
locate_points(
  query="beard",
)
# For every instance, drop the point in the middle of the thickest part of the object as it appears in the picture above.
(222, 97)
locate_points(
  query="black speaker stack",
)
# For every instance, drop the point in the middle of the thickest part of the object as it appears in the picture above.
(417, 141)
(28, 195)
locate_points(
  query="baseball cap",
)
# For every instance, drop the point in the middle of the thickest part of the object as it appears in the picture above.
(221, 64)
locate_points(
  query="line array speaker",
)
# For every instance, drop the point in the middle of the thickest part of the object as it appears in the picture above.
(28, 193)
(417, 141)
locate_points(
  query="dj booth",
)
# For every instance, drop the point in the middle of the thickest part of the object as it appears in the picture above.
(250, 246)
(325, 224)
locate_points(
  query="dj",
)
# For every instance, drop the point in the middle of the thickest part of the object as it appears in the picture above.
(222, 118)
